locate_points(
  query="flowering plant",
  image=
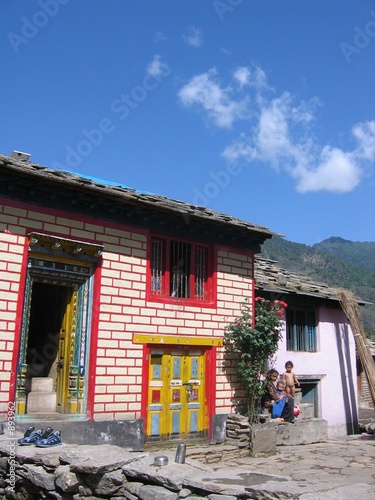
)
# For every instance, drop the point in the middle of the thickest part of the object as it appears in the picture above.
(254, 339)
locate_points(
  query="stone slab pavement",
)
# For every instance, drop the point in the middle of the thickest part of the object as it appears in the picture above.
(342, 469)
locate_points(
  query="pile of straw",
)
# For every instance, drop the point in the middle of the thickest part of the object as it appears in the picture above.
(349, 305)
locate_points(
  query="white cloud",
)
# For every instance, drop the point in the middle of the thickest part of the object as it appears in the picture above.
(337, 171)
(242, 75)
(279, 140)
(206, 93)
(272, 136)
(240, 150)
(160, 37)
(157, 67)
(365, 135)
(281, 133)
(270, 140)
(254, 77)
(194, 37)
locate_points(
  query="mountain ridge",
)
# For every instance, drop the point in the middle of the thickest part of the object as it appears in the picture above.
(335, 261)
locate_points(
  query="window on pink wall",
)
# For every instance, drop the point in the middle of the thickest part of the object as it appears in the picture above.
(180, 270)
(301, 329)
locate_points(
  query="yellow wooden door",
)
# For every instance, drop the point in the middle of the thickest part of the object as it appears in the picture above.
(63, 355)
(176, 394)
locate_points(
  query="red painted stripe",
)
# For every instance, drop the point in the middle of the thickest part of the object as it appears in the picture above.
(93, 342)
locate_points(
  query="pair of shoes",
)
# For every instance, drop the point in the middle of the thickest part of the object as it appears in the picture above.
(28, 431)
(54, 439)
(32, 436)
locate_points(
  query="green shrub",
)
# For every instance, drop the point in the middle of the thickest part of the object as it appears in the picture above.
(254, 340)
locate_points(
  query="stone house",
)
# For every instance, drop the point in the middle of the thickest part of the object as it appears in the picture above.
(114, 304)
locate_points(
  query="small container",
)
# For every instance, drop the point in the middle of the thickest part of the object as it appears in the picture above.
(161, 460)
(180, 453)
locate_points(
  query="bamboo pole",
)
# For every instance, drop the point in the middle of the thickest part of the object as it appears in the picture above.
(350, 307)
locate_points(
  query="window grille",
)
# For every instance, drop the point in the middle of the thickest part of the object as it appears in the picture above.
(157, 268)
(179, 269)
(201, 258)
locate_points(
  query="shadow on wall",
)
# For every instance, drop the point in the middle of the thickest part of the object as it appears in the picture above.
(348, 378)
(229, 366)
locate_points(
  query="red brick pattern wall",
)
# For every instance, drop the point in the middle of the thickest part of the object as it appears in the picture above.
(234, 287)
(11, 258)
(123, 309)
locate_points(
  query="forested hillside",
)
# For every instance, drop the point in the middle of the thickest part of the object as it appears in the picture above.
(359, 253)
(335, 261)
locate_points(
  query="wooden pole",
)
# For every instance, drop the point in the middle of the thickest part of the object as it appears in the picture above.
(349, 305)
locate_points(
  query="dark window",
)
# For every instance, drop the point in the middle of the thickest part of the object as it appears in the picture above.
(301, 330)
(180, 270)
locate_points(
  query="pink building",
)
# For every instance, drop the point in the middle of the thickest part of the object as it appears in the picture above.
(319, 341)
(113, 309)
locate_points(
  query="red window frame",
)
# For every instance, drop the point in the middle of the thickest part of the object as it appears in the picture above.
(163, 255)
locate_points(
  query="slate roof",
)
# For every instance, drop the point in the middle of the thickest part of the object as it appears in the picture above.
(268, 276)
(126, 195)
(271, 278)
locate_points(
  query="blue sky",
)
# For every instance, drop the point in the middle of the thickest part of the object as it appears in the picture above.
(263, 110)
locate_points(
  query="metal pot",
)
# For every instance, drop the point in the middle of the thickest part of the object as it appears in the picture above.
(161, 460)
(180, 453)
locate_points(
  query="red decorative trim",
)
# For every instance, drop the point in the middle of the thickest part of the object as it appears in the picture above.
(70, 215)
(18, 325)
(210, 388)
(93, 342)
(144, 388)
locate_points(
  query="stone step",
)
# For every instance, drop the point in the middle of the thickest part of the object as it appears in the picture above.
(307, 411)
(42, 384)
(41, 402)
(314, 430)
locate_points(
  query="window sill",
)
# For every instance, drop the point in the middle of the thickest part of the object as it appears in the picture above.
(181, 301)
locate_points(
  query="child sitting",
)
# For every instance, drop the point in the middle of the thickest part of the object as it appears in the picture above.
(280, 387)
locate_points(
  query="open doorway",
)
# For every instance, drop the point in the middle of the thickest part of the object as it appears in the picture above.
(53, 352)
(47, 354)
(309, 389)
(55, 328)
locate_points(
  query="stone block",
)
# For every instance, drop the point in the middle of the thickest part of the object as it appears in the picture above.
(41, 384)
(264, 439)
(302, 432)
(307, 411)
(41, 401)
(218, 428)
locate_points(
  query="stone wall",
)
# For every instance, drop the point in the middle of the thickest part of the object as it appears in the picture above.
(262, 439)
(72, 472)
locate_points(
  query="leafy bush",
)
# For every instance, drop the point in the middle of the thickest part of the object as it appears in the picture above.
(254, 340)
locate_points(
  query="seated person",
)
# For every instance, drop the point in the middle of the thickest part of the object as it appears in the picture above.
(271, 396)
(280, 387)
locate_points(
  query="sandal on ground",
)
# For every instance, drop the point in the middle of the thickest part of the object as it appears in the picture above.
(31, 438)
(53, 439)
